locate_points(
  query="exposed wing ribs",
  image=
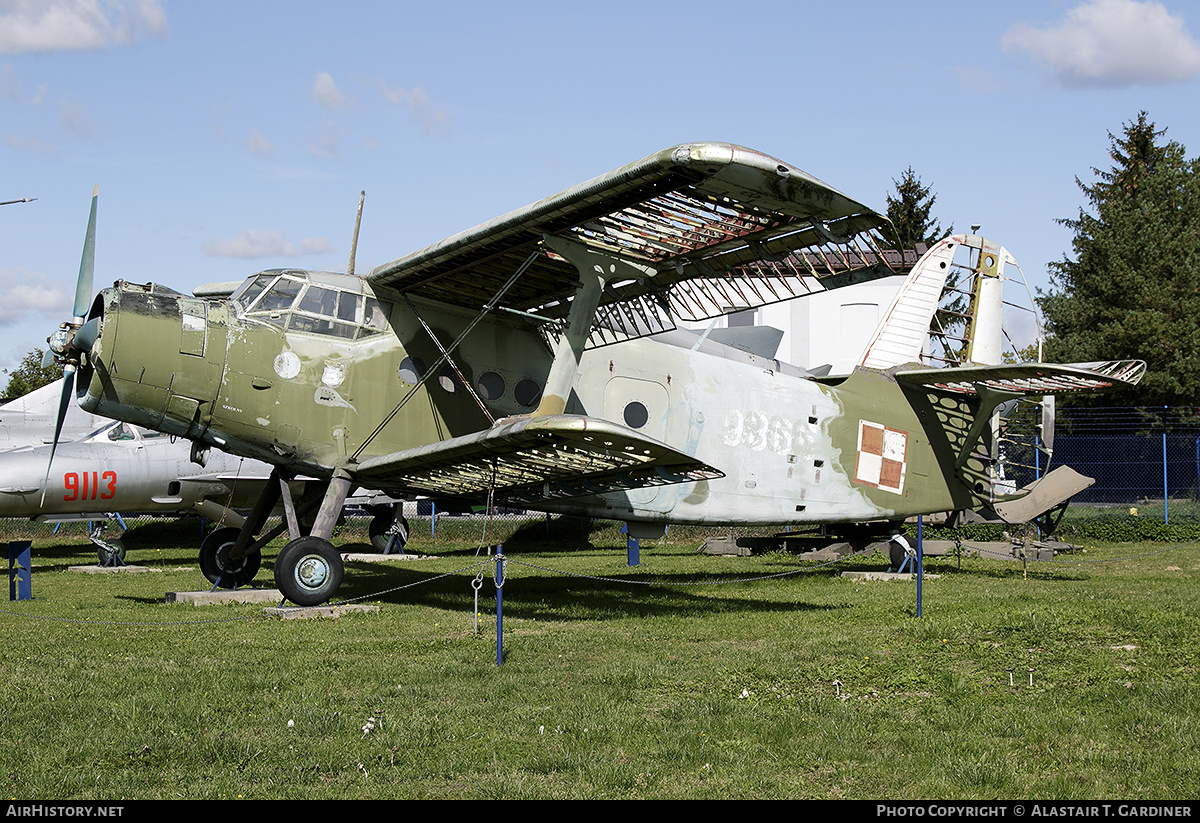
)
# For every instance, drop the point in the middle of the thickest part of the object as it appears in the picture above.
(726, 229)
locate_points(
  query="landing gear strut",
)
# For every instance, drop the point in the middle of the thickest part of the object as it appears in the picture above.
(308, 571)
(109, 550)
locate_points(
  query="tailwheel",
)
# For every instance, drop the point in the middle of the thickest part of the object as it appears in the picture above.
(308, 571)
(217, 566)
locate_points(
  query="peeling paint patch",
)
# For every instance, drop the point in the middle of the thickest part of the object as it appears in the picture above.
(328, 397)
(333, 375)
(287, 365)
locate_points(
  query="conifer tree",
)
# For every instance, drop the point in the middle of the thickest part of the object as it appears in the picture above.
(910, 211)
(1131, 287)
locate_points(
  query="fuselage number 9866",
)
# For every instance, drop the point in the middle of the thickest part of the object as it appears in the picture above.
(90, 485)
(757, 431)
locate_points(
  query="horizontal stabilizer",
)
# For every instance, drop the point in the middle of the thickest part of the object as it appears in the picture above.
(532, 459)
(1042, 495)
(1029, 378)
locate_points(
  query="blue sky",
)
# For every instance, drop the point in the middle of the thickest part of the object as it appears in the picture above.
(232, 137)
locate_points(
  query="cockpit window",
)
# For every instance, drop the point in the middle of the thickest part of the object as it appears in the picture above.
(320, 303)
(376, 318)
(120, 432)
(279, 297)
(251, 289)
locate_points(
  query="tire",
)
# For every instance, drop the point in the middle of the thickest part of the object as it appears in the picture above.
(896, 555)
(383, 526)
(111, 553)
(308, 571)
(216, 566)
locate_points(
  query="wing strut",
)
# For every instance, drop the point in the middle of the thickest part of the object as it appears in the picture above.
(595, 271)
(446, 356)
(491, 304)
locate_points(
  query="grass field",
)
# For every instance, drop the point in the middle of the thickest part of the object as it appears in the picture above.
(688, 676)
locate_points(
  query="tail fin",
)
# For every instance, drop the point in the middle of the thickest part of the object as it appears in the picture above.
(902, 333)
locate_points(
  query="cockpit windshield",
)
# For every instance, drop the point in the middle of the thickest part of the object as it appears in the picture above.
(313, 303)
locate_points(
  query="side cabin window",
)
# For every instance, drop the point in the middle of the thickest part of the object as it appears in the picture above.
(287, 300)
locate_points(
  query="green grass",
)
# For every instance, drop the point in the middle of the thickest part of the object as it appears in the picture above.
(800, 686)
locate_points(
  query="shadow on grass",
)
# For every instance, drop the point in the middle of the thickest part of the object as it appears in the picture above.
(535, 589)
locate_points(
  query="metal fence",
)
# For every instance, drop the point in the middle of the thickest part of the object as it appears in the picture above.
(1141, 458)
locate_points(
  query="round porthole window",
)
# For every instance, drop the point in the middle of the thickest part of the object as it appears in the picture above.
(636, 415)
(412, 369)
(448, 380)
(491, 386)
(527, 392)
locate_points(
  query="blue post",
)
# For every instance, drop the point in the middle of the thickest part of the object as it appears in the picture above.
(1165, 518)
(500, 605)
(20, 570)
(920, 562)
(632, 547)
(432, 519)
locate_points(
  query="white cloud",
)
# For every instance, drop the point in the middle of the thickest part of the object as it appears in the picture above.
(74, 117)
(326, 92)
(39, 26)
(31, 294)
(256, 243)
(421, 110)
(328, 142)
(257, 144)
(31, 143)
(1111, 43)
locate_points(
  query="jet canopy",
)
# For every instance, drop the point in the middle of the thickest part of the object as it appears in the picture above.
(313, 302)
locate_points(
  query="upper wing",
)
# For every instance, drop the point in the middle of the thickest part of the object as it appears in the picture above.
(724, 227)
(1029, 378)
(535, 459)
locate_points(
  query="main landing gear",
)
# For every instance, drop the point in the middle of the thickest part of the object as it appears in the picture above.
(218, 565)
(308, 570)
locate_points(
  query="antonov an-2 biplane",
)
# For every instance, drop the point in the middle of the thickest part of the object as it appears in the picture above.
(537, 359)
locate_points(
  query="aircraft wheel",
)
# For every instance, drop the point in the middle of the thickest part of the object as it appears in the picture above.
(383, 526)
(308, 571)
(111, 552)
(216, 566)
(896, 554)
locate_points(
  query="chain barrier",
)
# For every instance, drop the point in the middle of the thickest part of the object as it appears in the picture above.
(728, 582)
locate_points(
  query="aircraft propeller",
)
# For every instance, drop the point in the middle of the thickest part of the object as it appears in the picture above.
(76, 337)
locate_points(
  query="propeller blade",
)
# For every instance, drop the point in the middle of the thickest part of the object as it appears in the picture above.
(47, 359)
(63, 404)
(86, 336)
(83, 287)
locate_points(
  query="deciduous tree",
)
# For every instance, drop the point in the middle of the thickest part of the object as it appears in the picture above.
(30, 375)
